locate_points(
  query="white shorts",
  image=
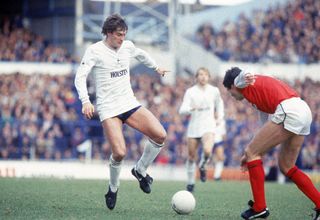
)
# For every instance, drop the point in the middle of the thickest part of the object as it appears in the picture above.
(195, 131)
(295, 115)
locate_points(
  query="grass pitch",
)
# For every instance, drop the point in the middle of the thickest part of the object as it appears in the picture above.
(84, 199)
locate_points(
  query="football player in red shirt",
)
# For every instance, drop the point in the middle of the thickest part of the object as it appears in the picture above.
(289, 122)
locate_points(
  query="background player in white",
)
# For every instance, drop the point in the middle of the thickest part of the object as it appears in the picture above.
(204, 104)
(109, 61)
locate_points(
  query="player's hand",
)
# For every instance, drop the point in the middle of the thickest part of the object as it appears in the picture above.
(243, 163)
(220, 122)
(161, 71)
(249, 78)
(88, 110)
(194, 107)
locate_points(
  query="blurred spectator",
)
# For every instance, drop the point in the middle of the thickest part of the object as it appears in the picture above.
(40, 115)
(37, 116)
(17, 43)
(309, 156)
(286, 34)
(38, 120)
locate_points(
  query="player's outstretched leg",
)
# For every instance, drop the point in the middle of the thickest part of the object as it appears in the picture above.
(150, 152)
(252, 214)
(305, 184)
(111, 198)
(144, 182)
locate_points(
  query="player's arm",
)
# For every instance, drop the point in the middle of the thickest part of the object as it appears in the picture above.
(147, 60)
(85, 67)
(244, 79)
(219, 106)
(186, 107)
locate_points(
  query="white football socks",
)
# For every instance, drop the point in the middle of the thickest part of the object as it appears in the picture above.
(204, 160)
(218, 169)
(150, 152)
(191, 169)
(115, 168)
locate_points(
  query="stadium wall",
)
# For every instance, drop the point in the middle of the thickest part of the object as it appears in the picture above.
(100, 170)
(192, 56)
(31, 68)
(81, 170)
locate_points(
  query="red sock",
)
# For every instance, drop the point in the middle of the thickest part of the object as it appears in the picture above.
(256, 175)
(305, 184)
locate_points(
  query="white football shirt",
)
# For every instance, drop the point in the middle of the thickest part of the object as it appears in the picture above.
(208, 101)
(112, 77)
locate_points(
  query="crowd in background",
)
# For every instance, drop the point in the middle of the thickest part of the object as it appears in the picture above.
(41, 119)
(40, 115)
(36, 116)
(285, 34)
(18, 43)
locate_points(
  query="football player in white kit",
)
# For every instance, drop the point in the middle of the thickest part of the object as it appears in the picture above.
(109, 61)
(204, 104)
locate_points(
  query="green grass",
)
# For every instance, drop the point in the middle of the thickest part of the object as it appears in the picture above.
(84, 199)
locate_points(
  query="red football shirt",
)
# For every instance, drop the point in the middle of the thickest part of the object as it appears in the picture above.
(267, 93)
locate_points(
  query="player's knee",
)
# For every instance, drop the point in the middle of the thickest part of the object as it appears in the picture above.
(220, 157)
(192, 157)
(119, 155)
(207, 150)
(160, 137)
(219, 153)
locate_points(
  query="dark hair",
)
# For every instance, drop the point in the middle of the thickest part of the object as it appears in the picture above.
(113, 23)
(231, 74)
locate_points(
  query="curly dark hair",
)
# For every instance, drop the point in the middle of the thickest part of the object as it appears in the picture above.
(112, 23)
(229, 77)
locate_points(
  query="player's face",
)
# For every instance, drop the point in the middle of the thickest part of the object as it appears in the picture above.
(116, 38)
(234, 92)
(203, 77)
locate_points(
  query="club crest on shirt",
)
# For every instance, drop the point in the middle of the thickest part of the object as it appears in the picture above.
(119, 73)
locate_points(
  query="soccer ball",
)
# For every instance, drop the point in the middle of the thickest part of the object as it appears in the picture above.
(183, 202)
